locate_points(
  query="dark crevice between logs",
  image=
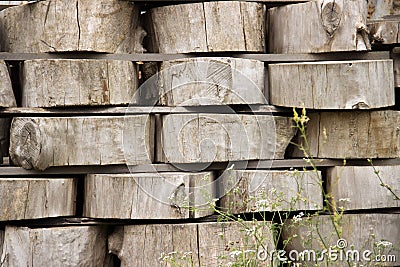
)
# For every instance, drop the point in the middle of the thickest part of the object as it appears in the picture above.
(15, 71)
(80, 196)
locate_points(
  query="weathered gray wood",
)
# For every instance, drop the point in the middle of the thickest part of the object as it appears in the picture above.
(384, 21)
(6, 171)
(360, 231)
(332, 85)
(65, 141)
(194, 138)
(164, 195)
(384, 31)
(59, 246)
(257, 190)
(204, 244)
(383, 9)
(156, 57)
(63, 25)
(396, 67)
(211, 81)
(361, 134)
(60, 82)
(7, 98)
(33, 198)
(208, 27)
(143, 245)
(318, 26)
(220, 242)
(356, 188)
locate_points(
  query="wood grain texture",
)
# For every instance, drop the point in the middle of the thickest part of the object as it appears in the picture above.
(218, 242)
(109, 26)
(332, 85)
(203, 244)
(58, 246)
(396, 68)
(383, 9)
(59, 82)
(359, 187)
(384, 21)
(385, 31)
(33, 198)
(66, 141)
(203, 138)
(318, 26)
(149, 195)
(143, 245)
(254, 191)
(211, 81)
(208, 27)
(353, 135)
(361, 231)
(7, 98)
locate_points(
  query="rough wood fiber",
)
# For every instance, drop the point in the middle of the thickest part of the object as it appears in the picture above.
(194, 138)
(360, 231)
(219, 241)
(211, 81)
(253, 191)
(59, 246)
(358, 135)
(332, 85)
(204, 244)
(60, 82)
(318, 26)
(359, 187)
(7, 98)
(384, 21)
(208, 27)
(384, 31)
(65, 141)
(143, 245)
(378, 9)
(148, 195)
(396, 67)
(109, 26)
(33, 198)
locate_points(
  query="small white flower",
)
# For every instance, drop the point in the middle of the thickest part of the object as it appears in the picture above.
(297, 218)
(262, 203)
(235, 253)
(250, 231)
(384, 244)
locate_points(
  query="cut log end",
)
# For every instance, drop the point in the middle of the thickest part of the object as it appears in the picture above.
(25, 146)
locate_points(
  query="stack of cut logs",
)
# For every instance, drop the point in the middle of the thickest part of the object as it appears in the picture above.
(116, 159)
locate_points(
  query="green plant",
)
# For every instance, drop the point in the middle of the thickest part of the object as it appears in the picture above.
(271, 211)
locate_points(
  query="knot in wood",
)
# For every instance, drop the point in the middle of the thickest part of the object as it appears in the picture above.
(331, 14)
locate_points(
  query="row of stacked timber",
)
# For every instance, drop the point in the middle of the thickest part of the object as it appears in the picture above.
(229, 120)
